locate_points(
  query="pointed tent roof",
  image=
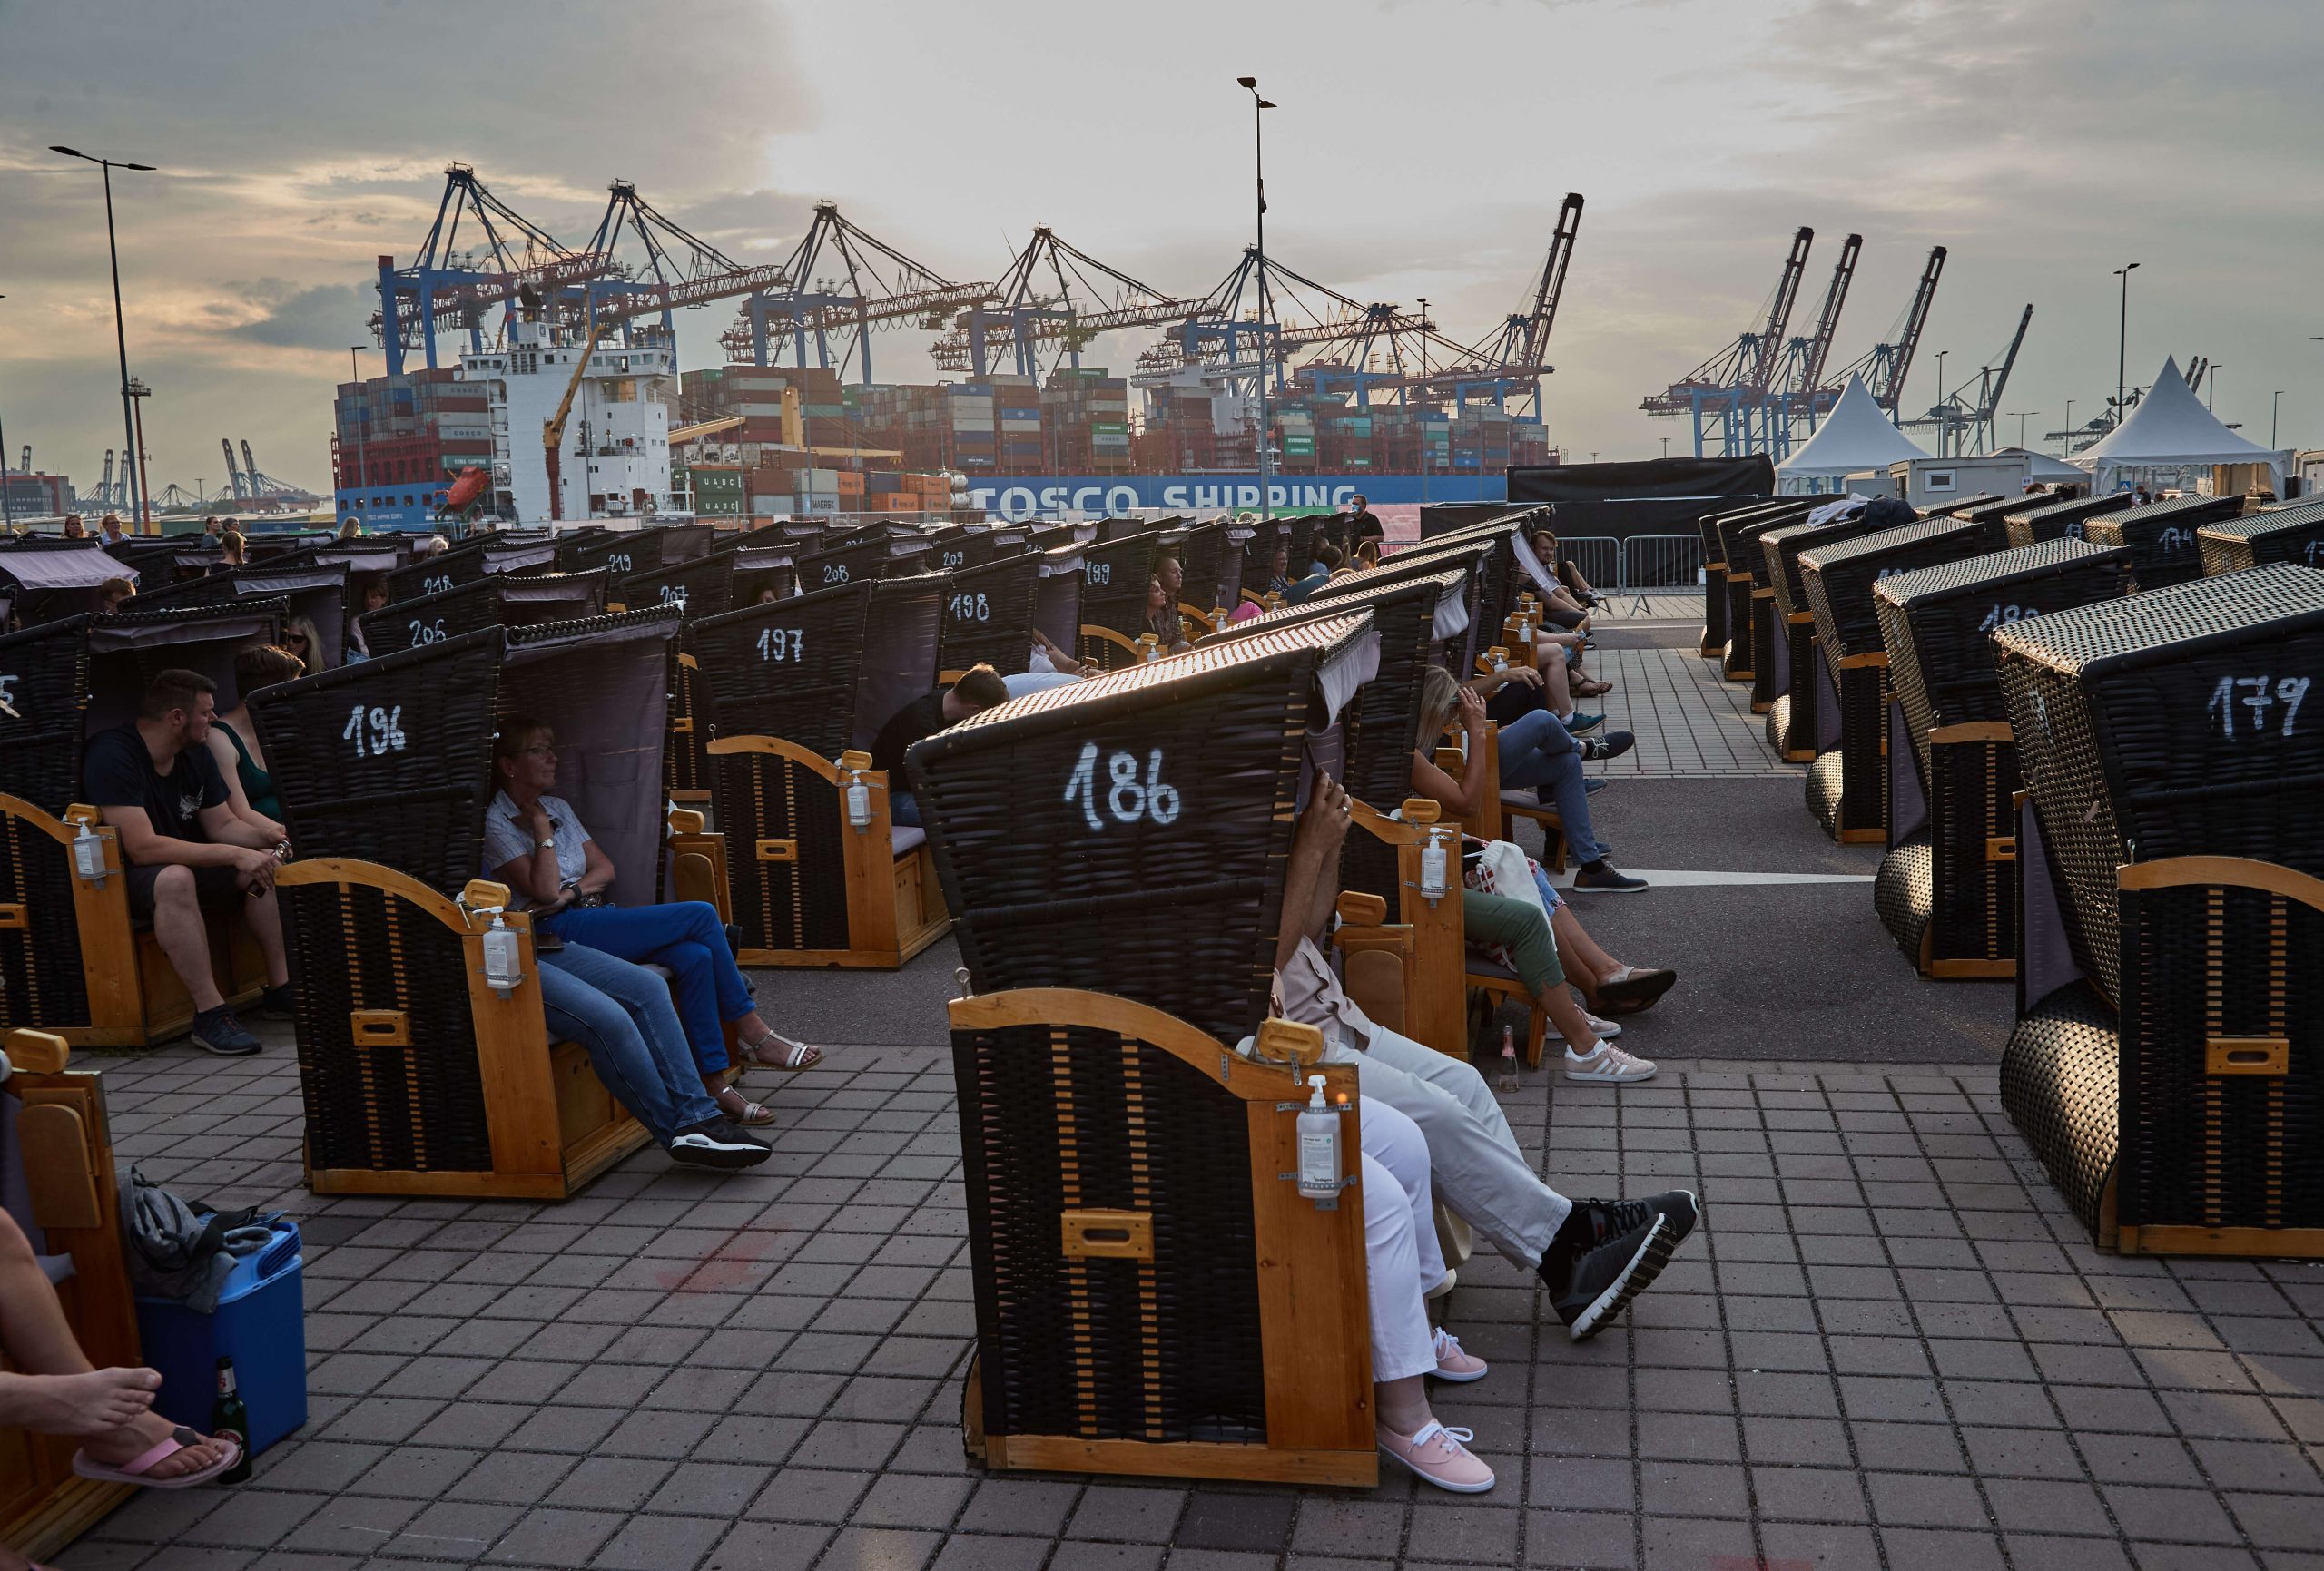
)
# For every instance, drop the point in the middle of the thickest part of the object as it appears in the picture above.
(1854, 435)
(2171, 426)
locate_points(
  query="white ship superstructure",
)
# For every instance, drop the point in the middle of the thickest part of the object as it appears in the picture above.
(615, 459)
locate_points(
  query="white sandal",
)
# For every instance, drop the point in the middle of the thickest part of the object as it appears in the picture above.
(789, 1054)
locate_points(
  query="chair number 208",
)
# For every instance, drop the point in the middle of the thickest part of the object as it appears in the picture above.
(1127, 797)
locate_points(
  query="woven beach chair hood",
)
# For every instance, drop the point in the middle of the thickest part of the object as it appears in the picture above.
(1839, 577)
(2289, 534)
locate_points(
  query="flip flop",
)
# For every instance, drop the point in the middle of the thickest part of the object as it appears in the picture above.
(137, 1468)
(789, 1054)
(1636, 986)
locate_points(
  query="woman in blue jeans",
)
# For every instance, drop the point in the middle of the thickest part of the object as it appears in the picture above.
(536, 844)
(621, 1016)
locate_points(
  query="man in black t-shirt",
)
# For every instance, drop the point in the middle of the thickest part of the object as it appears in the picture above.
(1358, 525)
(183, 848)
(978, 689)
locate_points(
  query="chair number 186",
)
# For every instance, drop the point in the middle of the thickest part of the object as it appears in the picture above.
(1127, 797)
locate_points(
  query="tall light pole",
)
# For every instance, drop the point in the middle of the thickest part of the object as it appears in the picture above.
(1259, 177)
(1943, 415)
(2123, 343)
(120, 334)
(2021, 414)
(2069, 427)
(7, 507)
(2210, 386)
(2275, 406)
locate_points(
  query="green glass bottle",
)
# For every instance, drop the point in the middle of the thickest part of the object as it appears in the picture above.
(229, 1417)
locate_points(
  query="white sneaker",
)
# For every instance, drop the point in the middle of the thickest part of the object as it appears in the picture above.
(1607, 1066)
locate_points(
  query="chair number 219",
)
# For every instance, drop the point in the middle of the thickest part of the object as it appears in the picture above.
(1127, 797)
(375, 735)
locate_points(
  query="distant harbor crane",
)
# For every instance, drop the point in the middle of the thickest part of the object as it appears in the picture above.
(1806, 399)
(881, 286)
(1885, 366)
(1089, 297)
(1965, 426)
(1727, 396)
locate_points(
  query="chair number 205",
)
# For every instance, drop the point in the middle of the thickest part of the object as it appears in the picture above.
(1128, 799)
(376, 733)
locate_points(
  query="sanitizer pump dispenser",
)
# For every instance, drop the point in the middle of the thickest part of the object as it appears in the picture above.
(1319, 1146)
(89, 853)
(1432, 861)
(503, 972)
(859, 804)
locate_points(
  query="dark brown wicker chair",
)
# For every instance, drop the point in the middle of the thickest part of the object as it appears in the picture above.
(1944, 890)
(1796, 720)
(1751, 605)
(1848, 786)
(2162, 536)
(1720, 625)
(2289, 534)
(2047, 518)
(54, 1137)
(71, 961)
(1153, 1295)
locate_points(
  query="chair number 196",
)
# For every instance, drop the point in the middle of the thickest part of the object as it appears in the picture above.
(2258, 694)
(1127, 799)
(376, 734)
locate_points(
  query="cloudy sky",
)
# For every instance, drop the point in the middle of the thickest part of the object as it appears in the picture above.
(1420, 149)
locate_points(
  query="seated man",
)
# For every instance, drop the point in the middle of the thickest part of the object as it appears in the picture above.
(186, 850)
(1593, 1255)
(1319, 573)
(978, 689)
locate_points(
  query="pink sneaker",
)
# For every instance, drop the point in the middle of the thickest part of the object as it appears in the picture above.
(1436, 1456)
(1454, 1364)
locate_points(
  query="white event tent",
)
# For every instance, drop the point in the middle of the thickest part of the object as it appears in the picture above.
(1854, 438)
(2042, 468)
(2167, 438)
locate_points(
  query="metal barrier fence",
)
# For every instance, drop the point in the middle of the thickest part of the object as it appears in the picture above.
(1598, 557)
(1661, 564)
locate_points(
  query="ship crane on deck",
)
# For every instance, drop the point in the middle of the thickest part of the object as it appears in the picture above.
(1886, 364)
(1053, 293)
(1955, 415)
(881, 286)
(1727, 396)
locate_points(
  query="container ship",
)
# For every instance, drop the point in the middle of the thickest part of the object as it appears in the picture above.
(1360, 399)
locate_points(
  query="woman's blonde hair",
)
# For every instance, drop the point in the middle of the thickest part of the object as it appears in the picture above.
(1440, 699)
(316, 659)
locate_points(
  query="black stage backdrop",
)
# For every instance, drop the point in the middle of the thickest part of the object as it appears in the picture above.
(1752, 476)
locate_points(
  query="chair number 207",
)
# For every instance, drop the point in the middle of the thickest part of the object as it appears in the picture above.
(376, 733)
(1127, 797)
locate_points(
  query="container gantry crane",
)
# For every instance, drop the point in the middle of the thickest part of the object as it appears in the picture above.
(1022, 315)
(1514, 361)
(1966, 426)
(1886, 365)
(881, 286)
(234, 471)
(1732, 387)
(1802, 393)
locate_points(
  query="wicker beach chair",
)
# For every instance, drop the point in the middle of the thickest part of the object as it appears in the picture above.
(463, 564)
(44, 580)
(384, 769)
(2162, 537)
(2047, 518)
(57, 1176)
(2289, 534)
(1946, 889)
(2173, 786)
(1753, 634)
(1720, 627)
(799, 689)
(1848, 787)
(316, 591)
(71, 962)
(1800, 714)
(882, 555)
(1114, 576)
(493, 600)
(988, 616)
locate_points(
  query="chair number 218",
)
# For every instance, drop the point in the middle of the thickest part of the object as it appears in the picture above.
(1127, 797)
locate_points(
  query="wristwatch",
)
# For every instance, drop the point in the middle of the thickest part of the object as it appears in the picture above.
(548, 845)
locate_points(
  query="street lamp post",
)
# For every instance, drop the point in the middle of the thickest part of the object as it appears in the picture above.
(2021, 414)
(1259, 179)
(120, 334)
(7, 507)
(2275, 406)
(2069, 427)
(2122, 342)
(1943, 415)
(363, 462)
(2210, 386)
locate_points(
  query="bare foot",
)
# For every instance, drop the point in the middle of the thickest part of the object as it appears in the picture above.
(143, 1433)
(96, 1403)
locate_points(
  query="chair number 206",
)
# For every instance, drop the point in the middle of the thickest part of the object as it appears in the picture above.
(375, 734)
(2258, 694)
(1127, 797)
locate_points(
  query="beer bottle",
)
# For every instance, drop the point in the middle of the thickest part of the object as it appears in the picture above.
(229, 1417)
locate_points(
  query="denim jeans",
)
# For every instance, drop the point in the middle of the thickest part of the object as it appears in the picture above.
(903, 809)
(621, 1015)
(1536, 750)
(687, 936)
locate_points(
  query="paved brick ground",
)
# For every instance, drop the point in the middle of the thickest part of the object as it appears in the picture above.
(1887, 1346)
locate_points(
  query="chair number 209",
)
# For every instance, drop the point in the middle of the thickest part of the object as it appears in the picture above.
(376, 734)
(1127, 797)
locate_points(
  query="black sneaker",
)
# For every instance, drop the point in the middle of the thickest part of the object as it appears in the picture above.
(1590, 1285)
(1613, 744)
(277, 1004)
(1607, 1218)
(217, 1031)
(1606, 879)
(716, 1142)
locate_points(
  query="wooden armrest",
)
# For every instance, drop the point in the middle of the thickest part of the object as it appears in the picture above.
(482, 894)
(1358, 909)
(686, 821)
(36, 1052)
(1283, 1041)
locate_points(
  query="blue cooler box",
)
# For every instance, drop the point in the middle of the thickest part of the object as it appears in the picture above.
(260, 1324)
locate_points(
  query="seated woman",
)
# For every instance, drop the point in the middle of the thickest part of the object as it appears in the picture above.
(536, 844)
(1536, 750)
(1367, 554)
(1162, 618)
(1515, 924)
(622, 1016)
(1279, 571)
(233, 738)
(370, 592)
(304, 640)
(1049, 658)
(48, 1386)
(232, 551)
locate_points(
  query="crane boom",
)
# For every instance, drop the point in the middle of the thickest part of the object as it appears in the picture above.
(1827, 320)
(1536, 340)
(249, 469)
(1992, 402)
(1770, 345)
(233, 475)
(1916, 317)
